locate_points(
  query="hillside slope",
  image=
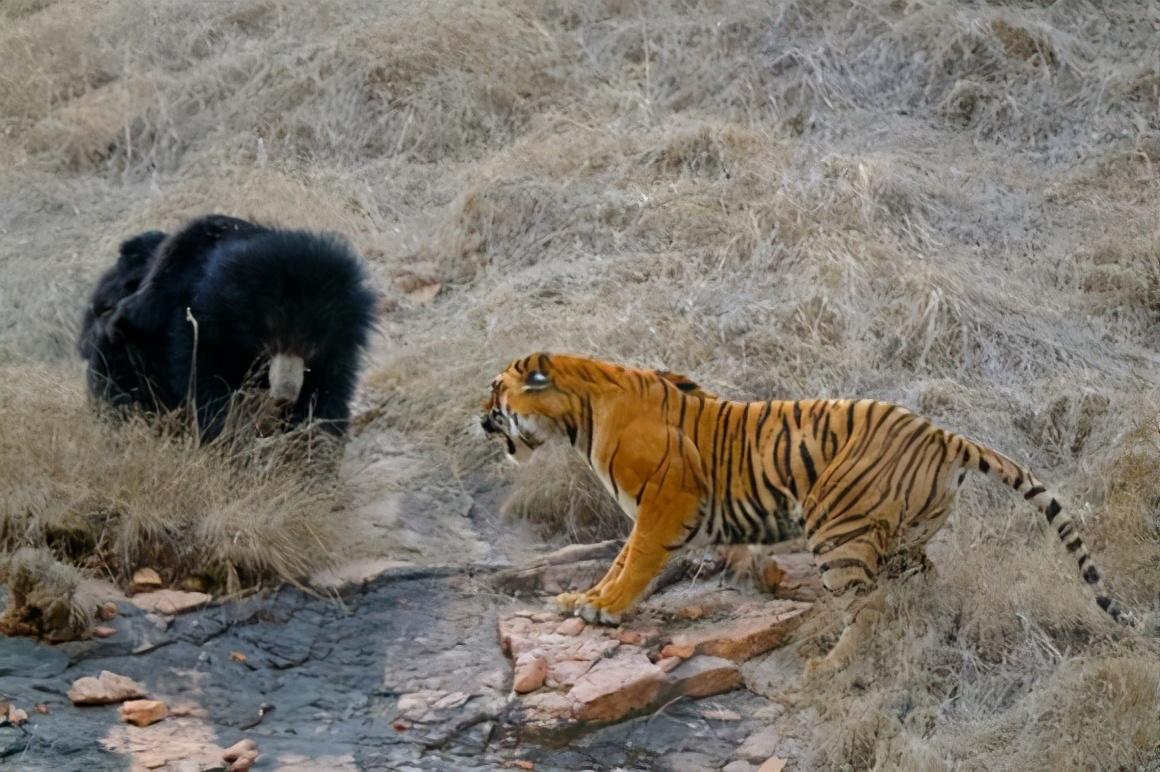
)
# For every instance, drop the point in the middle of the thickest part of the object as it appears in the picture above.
(954, 205)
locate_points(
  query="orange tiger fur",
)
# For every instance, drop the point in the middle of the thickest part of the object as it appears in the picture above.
(863, 480)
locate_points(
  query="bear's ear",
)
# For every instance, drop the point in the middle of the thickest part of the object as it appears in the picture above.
(118, 325)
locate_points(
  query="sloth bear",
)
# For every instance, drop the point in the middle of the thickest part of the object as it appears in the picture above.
(225, 303)
(120, 375)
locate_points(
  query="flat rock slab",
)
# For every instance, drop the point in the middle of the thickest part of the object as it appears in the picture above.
(27, 658)
(754, 629)
(403, 673)
(104, 689)
(170, 601)
(686, 642)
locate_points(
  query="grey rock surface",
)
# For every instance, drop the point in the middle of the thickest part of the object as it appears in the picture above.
(403, 672)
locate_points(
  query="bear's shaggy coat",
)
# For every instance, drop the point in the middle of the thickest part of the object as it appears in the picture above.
(225, 303)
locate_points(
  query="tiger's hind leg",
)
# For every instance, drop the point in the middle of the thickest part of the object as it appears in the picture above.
(851, 569)
(867, 608)
(913, 563)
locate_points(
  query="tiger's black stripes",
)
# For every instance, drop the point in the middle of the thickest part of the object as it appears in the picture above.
(864, 479)
(808, 462)
(588, 432)
(611, 476)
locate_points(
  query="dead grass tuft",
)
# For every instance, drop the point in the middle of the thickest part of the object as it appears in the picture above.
(558, 494)
(45, 597)
(114, 499)
(1020, 44)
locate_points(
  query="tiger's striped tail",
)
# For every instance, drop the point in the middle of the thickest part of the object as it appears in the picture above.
(996, 465)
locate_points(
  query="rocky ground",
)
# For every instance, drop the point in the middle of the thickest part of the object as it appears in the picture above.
(412, 668)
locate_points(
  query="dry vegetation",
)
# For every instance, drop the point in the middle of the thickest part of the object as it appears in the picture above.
(113, 499)
(952, 205)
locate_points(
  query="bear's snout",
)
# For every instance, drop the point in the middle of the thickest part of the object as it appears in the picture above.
(286, 375)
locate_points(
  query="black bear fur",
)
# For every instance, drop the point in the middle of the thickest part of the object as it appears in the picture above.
(220, 298)
(119, 375)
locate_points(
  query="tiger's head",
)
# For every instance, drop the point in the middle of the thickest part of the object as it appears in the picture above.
(542, 397)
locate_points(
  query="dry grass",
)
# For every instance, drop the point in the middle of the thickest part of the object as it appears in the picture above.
(45, 597)
(951, 205)
(113, 499)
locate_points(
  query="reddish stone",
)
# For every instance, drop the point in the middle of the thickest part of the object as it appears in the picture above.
(567, 672)
(571, 626)
(143, 712)
(635, 637)
(549, 706)
(679, 650)
(616, 687)
(793, 576)
(516, 635)
(704, 676)
(244, 762)
(743, 638)
(531, 670)
(587, 647)
(239, 749)
(691, 613)
(170, 601)
(105, 689)
(145, 580)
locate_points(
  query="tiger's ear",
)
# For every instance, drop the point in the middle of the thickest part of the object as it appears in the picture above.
(685, 384)
(536, 381)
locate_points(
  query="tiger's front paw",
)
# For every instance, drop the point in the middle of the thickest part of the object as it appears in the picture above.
(566, 602)
(591, 611)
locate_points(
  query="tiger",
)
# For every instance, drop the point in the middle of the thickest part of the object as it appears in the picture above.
(866, 482)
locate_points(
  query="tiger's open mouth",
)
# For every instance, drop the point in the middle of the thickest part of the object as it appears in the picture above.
(516, 437)
(493, 429)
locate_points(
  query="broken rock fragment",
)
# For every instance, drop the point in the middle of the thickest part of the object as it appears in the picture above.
(143, 712)
(704, 676)
(239, 749)
(754, 631)
(170, 601)
(145, 580)
(571, 626)
(105, 689)
(241, 755)
(531, 670)
(615, 687)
